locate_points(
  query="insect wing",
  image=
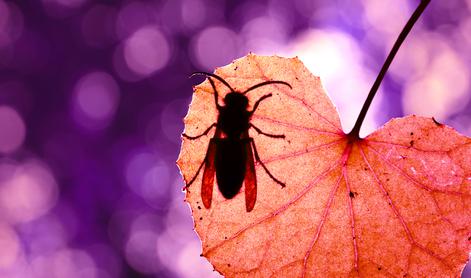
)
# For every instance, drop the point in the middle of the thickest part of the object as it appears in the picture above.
(208, 175)
(250, 180)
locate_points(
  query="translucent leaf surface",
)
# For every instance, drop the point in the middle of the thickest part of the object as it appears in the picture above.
(394, 204)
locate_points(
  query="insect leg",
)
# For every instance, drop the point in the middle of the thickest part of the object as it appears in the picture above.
(198, 136)
(263, 165)
(208, 160)
(267, 134)
(257, 103)
(196, 175)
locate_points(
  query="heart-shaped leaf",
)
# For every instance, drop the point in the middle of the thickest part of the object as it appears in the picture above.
(394, 204)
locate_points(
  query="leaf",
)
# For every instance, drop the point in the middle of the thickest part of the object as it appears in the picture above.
(394, 204)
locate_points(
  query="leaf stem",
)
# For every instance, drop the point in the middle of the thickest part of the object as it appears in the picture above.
(355, 133)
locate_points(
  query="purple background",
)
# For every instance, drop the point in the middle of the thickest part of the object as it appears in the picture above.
(92, 96)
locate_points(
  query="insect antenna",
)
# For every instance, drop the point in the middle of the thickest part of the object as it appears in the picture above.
(215, 76)
(267, 83)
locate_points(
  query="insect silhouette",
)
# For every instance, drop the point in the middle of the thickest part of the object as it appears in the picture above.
(231, 151)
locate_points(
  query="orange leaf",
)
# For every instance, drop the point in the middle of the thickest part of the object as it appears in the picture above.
(394, 204)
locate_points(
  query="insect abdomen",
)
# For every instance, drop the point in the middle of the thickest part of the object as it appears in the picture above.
(230, 166)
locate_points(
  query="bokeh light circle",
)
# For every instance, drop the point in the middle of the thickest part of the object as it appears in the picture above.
(95, 100)
(386, 20)
(215, 46)
(30, 192)
(12, 128)
(337, 59)
(11, 23)
(147, 176)
(193, 13)
(192, 265)
(178, 242)
(44, 235)
(146, 51)
(441, 90)
(67, 262)
(141, 251)
(9, 246)
(4, 22)
(264, 35)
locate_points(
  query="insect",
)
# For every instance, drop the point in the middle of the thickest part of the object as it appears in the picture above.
(231, 151)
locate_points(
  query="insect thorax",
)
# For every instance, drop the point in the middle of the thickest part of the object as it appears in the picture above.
(233, 122)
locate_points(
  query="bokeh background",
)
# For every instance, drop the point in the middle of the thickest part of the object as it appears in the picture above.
(92, 96)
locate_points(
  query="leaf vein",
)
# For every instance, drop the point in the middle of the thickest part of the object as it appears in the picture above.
(321, 225)
(293, 126)
(399, 216)
(279, 210)
(284, 91)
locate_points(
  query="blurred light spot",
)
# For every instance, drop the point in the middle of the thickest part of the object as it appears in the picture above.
(264, 35)
(73, 263)
(9, 246)
(178, 236)
(147, 176)
(4, 14)
(147, 221)
(44, 235)
(336, 58)
(141, 251)
(465, 29)
(462, 123)
(192, 265)
(98, 25)
(95, 100)
(7, 170)
(29, 193)
(146, 51)
(168, 250)
(442, 90)
(12, 129)
(193, 13)
(70, 263)
(416, 56)
(121, 67)
(214, 47)
(19, 269)
(169, 15)
(326, 52)
(11, 23)
(179, 222)
(387, 20)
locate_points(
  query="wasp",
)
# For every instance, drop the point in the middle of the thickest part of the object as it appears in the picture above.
(231, 151)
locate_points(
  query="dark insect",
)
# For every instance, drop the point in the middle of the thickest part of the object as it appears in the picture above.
(231, 151)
